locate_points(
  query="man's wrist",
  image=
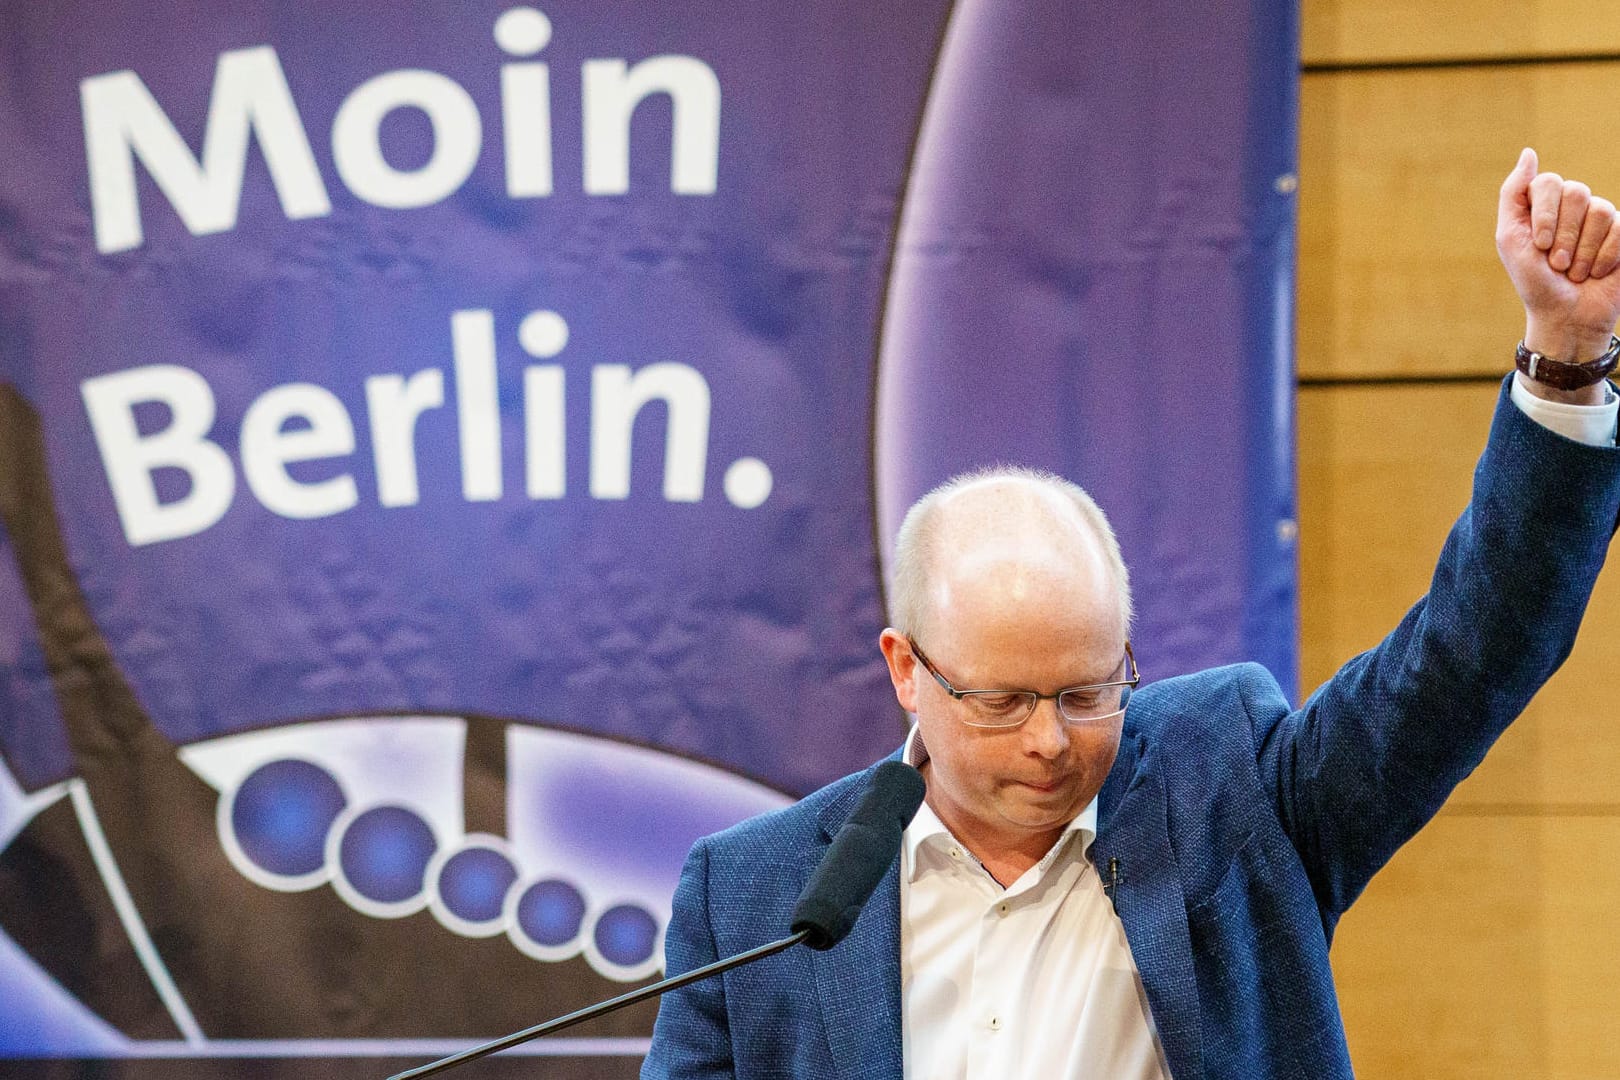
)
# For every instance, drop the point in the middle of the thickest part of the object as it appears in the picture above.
(1561, 341)
(1572, 345)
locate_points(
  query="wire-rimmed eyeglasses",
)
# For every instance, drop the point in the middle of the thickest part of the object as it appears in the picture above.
(1009, 708)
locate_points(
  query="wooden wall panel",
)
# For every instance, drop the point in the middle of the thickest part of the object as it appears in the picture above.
(1488, 950)
(1383, 472)
(1372, 31)
(1399, 172)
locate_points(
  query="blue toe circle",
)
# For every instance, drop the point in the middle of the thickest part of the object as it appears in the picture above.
(551, 913)
(281, 814)
(474, 882)
(384, 854)
(626, 935)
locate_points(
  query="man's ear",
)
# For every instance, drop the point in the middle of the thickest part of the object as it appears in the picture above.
(902, 667)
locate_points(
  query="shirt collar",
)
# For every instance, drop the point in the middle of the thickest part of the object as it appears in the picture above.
(926, 824)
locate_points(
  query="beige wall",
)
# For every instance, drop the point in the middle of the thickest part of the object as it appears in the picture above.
(1490, 947)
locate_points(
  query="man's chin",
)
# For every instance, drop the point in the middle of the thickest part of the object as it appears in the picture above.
(1038, 807)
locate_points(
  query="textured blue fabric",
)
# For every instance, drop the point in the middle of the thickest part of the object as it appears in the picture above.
(1243, 828)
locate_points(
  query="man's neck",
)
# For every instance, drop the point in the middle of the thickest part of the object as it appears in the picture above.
(1005, 857)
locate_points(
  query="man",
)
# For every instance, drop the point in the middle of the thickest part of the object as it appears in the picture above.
(1097, 891)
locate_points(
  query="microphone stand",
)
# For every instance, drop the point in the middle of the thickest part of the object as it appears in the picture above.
(859, 856)
(602, 1008)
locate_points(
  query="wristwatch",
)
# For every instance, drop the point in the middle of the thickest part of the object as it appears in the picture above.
(1563, 374)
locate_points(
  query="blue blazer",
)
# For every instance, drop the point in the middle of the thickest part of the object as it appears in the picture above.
(1243, 828)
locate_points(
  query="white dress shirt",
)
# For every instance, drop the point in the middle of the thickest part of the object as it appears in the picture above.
(1036, 980)
(1590, 424)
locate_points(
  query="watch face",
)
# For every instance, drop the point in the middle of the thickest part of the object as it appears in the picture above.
(363, 853)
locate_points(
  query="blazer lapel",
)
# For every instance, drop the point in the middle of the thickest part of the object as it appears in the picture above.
(1133, 829)
(863, 1028)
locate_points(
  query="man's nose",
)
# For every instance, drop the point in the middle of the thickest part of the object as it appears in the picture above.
(1046, 733)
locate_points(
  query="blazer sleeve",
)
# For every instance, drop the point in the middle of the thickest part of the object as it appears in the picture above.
(1373, 753)
(692, 1037)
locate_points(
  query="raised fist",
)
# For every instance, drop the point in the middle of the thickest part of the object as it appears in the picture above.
(1561, 246)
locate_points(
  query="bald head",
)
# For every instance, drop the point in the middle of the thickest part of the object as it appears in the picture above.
(1004, 539)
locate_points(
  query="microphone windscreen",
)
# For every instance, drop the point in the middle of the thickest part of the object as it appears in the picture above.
(859, 856)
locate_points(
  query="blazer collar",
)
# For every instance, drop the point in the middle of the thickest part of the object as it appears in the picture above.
(1133, 857)
(863, 1033)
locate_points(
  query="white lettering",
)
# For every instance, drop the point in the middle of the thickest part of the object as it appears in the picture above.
(131, 458)
(303, 422)
(122, 121)
(478, 406)
(611, 94)
(393, 403)
(267, 449)
(525, 103)
(250, 99)
(457, 135)
(543, 334)
(616, 398)
(543, 416)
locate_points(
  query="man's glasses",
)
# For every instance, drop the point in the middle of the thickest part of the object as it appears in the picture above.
(1009, 708)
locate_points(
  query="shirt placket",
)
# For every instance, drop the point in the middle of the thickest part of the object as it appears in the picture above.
(995, 1049)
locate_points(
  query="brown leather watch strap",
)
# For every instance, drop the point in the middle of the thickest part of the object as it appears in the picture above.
(1564, 375)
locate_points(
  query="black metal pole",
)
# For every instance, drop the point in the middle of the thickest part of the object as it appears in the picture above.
(601, 1009)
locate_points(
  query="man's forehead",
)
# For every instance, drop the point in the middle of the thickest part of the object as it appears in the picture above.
(1022, 576)
(980, 581)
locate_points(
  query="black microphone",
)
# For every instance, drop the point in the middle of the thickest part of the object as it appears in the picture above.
(842, 883)
(859, 856)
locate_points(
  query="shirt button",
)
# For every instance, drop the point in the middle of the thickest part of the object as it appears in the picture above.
(995, 1023)
(956, 853)
(1003, 907)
